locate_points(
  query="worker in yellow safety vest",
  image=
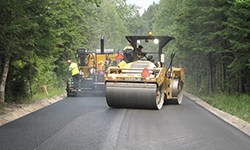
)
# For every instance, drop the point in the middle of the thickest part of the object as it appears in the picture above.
(73, 67)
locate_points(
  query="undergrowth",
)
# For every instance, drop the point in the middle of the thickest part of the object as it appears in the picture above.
(234, 104)
(51, 93)
(238, 105)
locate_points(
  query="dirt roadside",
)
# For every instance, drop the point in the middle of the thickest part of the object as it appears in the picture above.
(17, 111)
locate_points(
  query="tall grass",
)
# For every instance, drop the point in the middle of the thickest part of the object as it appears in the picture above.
(52, 92)
(234, 104)
(43, 95)
(238, 105)
(2, 109)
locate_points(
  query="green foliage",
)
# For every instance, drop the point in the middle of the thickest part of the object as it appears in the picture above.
(52, 91)
(131, 18)
(44, 74)
(212, 41)
(238, 105)
(238, 34)
(39, 36)
(110, 25)
(149, 16)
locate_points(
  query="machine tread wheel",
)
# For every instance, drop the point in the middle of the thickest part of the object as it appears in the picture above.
(160, 97)
(177, 101)
(176, 92)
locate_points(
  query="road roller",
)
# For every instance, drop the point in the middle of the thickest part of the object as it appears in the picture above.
(144, 83)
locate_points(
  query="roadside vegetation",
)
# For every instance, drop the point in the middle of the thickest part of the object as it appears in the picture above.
(41, 95)
(37, 38)
(238, 105)
(211, 42)
(51, 92)
(235, 104)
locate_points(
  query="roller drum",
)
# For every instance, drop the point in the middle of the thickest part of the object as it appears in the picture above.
(131, 95)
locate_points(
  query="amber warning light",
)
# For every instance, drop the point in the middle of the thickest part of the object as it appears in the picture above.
(150, 33)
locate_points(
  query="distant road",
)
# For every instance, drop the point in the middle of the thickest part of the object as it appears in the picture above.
(88, 123)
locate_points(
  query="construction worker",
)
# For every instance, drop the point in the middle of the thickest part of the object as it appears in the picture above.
(128, 53)
(138, 53)
(128, 47)
(73, 67)
(139, 49)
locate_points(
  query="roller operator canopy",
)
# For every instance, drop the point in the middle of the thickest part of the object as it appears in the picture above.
(163, 40)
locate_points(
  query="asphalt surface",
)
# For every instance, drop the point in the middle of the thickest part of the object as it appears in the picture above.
(88, 123)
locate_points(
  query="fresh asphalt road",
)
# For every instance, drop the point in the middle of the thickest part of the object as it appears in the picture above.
(88, 123)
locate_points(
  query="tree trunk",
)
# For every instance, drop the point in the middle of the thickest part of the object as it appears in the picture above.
(224, 77)
(3, 79)
(196, 77)
(241, 82)
(210, 74)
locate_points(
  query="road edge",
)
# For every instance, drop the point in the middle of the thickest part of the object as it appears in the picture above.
(232, 120)
(21, 110)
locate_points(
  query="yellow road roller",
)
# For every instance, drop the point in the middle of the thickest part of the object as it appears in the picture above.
(144, 83)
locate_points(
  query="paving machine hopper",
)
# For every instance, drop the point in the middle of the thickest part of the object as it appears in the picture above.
(143, 83)
(92, 66)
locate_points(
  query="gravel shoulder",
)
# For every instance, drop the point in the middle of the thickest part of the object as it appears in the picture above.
(16, 111)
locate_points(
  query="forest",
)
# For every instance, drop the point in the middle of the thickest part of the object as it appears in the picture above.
(212, 41)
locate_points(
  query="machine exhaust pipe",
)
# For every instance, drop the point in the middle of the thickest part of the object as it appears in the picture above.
(102, 44)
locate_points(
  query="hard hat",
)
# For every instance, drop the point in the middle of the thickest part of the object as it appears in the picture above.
(140, 46)
(69, 61)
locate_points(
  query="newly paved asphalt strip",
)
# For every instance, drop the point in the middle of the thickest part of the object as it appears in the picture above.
(88, 123)
(232, 120)
(25, 109)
